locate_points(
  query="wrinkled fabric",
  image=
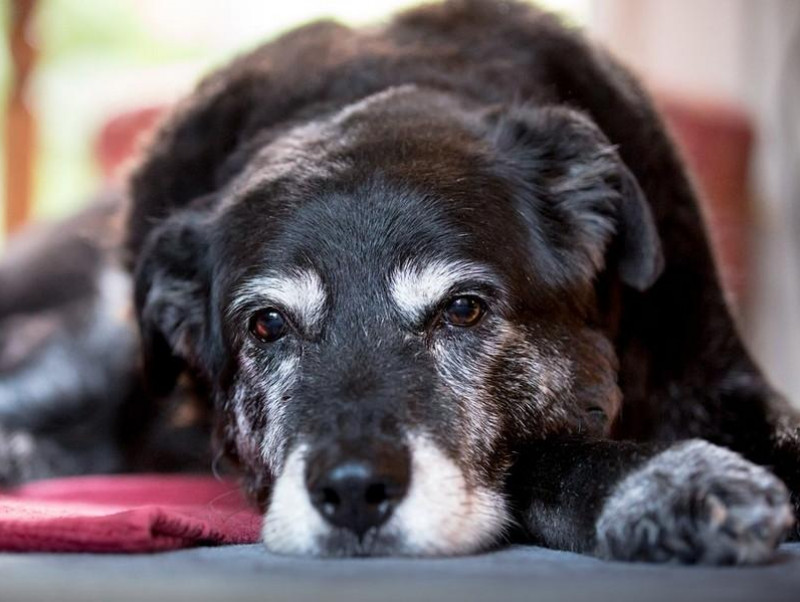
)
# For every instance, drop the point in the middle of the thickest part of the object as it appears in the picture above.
(141, 513)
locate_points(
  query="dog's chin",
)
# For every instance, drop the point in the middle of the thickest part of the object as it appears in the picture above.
(440, 516)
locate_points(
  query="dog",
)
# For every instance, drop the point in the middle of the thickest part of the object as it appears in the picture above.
(434, 286)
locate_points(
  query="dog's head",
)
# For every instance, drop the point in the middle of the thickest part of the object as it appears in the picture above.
(385, 301)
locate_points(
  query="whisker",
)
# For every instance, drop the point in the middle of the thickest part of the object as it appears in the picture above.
(233, 491)
(215, 465)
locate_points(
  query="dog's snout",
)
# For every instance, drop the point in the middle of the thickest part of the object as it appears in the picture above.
(355, 497)
(357, 491)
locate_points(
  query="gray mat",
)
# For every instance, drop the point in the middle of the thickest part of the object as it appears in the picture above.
(516, 573)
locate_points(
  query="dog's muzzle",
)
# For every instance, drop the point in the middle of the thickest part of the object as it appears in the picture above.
(356, 485)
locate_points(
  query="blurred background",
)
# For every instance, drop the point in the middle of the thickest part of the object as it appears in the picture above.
(80, 80)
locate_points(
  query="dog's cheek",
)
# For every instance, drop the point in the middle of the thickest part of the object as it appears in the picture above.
(259, 400)
(531, 382)
(556, 381)
(465, 385)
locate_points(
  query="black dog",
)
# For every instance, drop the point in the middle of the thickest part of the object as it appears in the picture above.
(441, 283)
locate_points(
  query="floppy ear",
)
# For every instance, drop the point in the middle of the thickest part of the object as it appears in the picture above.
(586, 208)
(170, 289)
(192, 154)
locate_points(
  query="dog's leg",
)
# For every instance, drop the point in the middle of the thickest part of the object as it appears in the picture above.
(19, 457)
(65, 375)
(684, 371)
(692, 502)
(782, 452)
(27, 456)
(58, 413)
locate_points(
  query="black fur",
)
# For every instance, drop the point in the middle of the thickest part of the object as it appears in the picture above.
(496, 136)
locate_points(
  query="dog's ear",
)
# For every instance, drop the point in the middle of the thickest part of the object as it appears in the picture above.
(170, 291)
(584, 204)
(195, 151)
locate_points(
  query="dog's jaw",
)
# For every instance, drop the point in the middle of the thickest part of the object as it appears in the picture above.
(291, 524)
(442, 513)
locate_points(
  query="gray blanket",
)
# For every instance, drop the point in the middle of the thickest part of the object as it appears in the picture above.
(516, 573)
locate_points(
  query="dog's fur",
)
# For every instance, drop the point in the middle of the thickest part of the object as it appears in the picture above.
(357, 180)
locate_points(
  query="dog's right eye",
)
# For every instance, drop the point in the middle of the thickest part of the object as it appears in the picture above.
(464, 311)
(268, 325)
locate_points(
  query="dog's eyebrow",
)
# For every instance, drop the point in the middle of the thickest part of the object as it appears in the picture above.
(418, 286)
(301, 292)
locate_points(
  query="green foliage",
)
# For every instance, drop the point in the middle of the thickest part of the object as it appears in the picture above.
(85, 46)
(98, 57)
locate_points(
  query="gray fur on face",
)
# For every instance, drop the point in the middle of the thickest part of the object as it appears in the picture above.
(695, 502)
(300, 292)
(419, 286)
(260, 395)
(443, 512)
(486, 378)
(504, 377)
(264, 381)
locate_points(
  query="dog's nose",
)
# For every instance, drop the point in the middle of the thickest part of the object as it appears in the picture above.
(356, 491)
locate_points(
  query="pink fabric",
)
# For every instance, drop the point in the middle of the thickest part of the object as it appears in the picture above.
(141, 513)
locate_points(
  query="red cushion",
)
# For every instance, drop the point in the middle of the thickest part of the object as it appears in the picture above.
(132, 513)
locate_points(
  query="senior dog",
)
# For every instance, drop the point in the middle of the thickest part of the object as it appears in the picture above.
(436, 285)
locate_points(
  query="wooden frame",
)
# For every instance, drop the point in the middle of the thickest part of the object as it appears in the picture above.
(20, 124)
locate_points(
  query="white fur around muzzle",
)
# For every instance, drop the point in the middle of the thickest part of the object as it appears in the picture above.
(441, 514)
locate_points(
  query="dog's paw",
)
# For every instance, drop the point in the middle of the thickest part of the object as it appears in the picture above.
(695, 503)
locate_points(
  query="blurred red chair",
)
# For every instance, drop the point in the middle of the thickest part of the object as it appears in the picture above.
(120, 138)
(716, 142)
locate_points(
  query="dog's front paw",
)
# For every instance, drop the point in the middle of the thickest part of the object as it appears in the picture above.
(695, 503)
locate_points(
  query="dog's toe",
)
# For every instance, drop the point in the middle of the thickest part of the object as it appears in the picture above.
(745, 528)
(695, 503)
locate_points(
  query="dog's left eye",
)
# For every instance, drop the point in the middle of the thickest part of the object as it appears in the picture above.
(464, 311)
(268, 325)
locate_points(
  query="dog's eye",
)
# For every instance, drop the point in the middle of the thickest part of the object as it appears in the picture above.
(464, 311)
(268, 325)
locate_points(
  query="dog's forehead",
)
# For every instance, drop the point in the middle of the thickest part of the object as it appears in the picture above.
(405, 132)
(401, 183)
(378, 240)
